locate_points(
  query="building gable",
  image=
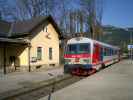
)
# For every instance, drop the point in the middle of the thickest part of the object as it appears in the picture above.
(24, 28)
(32, 25)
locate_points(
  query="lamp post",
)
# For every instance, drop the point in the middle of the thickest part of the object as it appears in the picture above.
(131, 49)
(131, 44)
(53, 86)
(130, 37)
(29, 48)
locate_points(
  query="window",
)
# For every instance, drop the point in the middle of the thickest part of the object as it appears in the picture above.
(50, 53)
(71, 49)
(108, 52)
(45, 29)
(101, 51)
(78, 48)
(39, 53)
(113, 52)
(116, 52)
(84, 48)
(105, 52)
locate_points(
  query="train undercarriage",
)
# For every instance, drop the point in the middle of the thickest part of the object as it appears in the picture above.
(79, 70)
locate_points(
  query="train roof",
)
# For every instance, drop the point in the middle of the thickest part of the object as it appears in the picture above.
(88, 40)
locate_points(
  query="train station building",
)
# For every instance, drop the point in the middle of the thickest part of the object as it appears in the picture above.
(28, 45)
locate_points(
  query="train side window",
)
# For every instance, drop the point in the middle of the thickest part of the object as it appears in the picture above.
(105, 50)
(108, 52)
(112, 52)
(101, 50)
(116, 52)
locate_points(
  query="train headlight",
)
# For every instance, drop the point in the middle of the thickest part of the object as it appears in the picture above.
(67, 60)
(86, 60)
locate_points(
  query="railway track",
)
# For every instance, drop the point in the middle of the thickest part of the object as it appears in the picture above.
(45, 89)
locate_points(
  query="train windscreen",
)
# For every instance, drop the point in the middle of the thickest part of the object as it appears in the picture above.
(78, 48)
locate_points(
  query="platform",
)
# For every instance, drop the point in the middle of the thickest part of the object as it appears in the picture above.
(18, 80)
(112, 83)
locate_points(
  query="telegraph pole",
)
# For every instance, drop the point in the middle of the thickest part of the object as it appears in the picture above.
(131, 44)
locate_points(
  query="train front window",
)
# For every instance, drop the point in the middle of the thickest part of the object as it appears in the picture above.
(84, 48)
(78, 48)
(71, 49)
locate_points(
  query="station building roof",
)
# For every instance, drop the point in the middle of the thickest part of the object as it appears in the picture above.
(22, 28)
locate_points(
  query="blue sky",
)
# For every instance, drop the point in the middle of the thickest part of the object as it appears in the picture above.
(115, 12)
(118, 13)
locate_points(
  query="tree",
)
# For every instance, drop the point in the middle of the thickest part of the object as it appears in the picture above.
(94, 15)
(72, 21)
(65, 14)
(89, 7)
(99, 15)
(83, 17)
(34, 8)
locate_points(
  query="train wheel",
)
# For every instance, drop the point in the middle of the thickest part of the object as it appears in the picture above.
(84, 73)
(92, 71)
(103, 65)
(73, 71)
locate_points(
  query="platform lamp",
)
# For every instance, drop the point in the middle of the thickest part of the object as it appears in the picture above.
(131, 39)
(131, 44)
(29, 48)
(53, 86)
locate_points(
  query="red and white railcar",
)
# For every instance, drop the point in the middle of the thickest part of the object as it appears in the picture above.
(84, 56)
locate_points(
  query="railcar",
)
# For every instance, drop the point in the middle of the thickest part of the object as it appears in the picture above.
(84, 56)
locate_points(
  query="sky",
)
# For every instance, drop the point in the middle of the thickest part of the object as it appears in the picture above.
(115, 12)
(118, 13)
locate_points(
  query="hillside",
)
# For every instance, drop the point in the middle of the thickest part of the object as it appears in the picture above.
(116, 36)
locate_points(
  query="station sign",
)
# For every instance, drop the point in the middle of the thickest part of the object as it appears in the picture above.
(130, 47)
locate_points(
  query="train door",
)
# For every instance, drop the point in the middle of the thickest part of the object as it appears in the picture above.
(96, 53)
(101, 53)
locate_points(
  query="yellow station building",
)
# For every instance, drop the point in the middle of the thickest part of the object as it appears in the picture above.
(29, 44)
